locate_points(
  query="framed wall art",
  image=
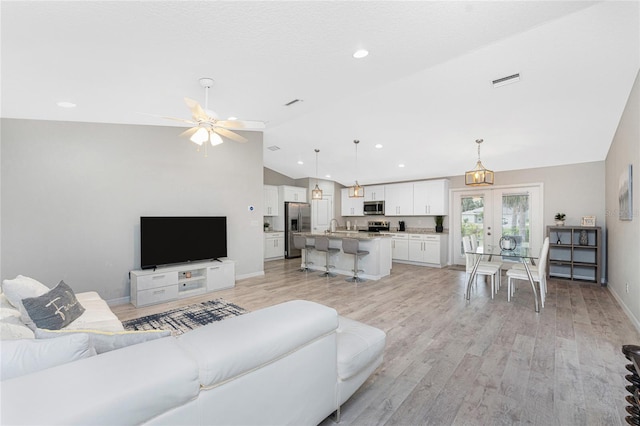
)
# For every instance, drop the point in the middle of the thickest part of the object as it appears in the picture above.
(625, 194)
(588, 221)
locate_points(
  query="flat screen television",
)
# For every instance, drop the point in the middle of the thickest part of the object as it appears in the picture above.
(175, 239)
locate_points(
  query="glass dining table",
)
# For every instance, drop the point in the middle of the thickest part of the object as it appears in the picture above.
(521, 254)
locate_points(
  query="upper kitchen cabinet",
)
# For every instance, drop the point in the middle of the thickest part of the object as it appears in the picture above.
(351, 206)
(374, 193)
(398, 199)
(271, 200)
(431, 198)
(293, 193)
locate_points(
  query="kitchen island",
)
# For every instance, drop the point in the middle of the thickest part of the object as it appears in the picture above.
(376, 264)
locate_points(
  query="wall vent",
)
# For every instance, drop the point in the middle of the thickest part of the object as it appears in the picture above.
(273, 148)
(506, 80)
(293, 102)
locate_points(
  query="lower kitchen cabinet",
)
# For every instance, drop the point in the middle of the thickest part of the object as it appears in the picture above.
(420, 249)
(273, 245)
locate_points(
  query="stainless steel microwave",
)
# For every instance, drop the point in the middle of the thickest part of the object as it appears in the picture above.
(374, 207)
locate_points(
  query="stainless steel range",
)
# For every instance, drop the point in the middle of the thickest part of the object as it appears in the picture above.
(376, 226)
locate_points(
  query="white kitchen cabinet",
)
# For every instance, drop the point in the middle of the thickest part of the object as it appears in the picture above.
(271, 201)
(431, 198)
(427, 249)
(398, 199)
(293, 193)
(273, 245)
(351, 206)
(374, 193)
(399, 246)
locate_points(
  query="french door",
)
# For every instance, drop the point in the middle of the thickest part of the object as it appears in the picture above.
(491, 213)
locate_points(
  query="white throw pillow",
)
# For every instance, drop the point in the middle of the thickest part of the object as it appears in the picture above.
(20, 288)
(11, 328)
(19, 357)
(105, 341)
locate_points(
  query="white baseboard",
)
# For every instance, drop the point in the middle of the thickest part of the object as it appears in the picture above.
(635, 321)
(119, 301)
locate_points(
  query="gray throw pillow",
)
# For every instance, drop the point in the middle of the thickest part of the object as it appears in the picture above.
(55, 309)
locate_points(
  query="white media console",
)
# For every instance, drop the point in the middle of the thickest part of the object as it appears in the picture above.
(149, 286)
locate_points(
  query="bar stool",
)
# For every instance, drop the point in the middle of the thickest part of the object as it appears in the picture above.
(352, 246)
(300, 242)
(322, 244)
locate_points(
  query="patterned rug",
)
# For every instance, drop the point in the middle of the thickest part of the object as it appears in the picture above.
(181, 320)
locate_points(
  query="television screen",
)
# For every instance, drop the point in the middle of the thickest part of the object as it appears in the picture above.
(169, 240)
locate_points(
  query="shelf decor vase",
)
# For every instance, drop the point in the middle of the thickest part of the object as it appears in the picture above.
(559, 222)
(584, 238)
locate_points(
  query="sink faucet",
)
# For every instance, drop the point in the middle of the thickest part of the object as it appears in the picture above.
(333, 224)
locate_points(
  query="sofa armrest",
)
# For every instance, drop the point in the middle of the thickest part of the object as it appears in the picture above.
(126, 386)
(238, 345)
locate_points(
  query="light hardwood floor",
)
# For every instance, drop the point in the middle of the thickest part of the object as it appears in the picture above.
(449, 361)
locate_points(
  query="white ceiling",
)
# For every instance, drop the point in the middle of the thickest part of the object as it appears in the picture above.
(424, 92)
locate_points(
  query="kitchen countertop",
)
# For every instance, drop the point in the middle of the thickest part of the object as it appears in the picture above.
(346, 234)
(417, 231)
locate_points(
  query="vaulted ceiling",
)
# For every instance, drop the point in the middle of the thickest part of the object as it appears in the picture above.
(424, 92)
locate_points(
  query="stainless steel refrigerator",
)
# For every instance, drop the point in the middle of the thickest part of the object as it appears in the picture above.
(297, 218)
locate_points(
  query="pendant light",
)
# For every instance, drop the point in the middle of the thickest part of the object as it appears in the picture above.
(479, 176)
(356, 191)
(316, 193)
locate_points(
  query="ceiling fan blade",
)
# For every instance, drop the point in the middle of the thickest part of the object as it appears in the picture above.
(189, 132)
(241, 124)
(230, 135)
(196, 110)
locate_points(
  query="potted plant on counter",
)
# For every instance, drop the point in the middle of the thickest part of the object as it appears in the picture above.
(266, 226)
(439, 221)
(559, 217)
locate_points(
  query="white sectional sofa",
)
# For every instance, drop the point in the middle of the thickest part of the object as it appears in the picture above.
(292, 363)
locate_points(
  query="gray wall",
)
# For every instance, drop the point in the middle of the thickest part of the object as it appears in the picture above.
(624, 236)
(271, 177)
(73, 193)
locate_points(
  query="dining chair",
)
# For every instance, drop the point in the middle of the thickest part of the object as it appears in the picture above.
(487, 270)
(499, 264)
(539, 275)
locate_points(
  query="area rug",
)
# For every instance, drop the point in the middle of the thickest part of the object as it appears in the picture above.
(181, 320)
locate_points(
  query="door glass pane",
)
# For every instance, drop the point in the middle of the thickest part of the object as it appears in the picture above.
(472, 219)
(516, 217)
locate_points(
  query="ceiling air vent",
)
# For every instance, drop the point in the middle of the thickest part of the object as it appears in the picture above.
(293, 102)
(506, 80)
(273, 148)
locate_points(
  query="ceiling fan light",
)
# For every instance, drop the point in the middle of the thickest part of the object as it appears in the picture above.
(215, 138)
(200, 136)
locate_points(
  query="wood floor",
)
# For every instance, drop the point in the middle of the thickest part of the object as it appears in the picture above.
(449, 361)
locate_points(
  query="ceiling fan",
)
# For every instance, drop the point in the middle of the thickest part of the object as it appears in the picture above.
(207, 127)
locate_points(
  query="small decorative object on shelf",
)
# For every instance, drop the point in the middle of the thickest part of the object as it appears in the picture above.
(558, 237)
(559, 217)
(588, 221)
(584, 238)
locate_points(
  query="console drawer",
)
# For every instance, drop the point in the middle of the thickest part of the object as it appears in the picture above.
(146, 282)
(157, 295)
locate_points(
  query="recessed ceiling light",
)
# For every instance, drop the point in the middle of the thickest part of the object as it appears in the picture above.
(360, 53)
(378, 145)
(401, 165)
(232, 118)
(327, 176)
(300, 162)
(66, 104)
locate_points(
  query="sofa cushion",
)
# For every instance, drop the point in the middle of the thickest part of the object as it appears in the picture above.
(20, 288)
(55, 309)
(105, 341)
(20, 357)
(229, 348)
(12, 328)
(358, 346)
(97, 314)
(132, 385)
